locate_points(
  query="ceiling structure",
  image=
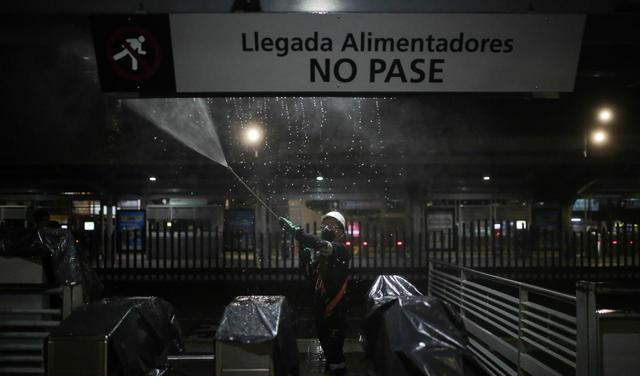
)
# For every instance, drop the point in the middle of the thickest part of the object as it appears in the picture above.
(61, 133)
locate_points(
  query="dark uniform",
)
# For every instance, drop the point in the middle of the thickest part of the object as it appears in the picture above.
(330, 275)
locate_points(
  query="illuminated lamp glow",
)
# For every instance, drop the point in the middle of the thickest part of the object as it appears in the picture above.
(605, 115)
(253, 135)
(599, 137)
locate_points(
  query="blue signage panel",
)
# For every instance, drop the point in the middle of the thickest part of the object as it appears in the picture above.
(131, 227)
(239, 226)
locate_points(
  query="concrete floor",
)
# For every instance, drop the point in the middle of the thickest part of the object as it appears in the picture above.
(312, 361)
(309, 353)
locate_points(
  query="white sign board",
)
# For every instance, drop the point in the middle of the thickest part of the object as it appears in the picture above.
(308, 53)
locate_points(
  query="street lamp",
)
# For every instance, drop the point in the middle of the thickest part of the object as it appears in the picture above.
(599, 137)
(605, 115)
(252, 136)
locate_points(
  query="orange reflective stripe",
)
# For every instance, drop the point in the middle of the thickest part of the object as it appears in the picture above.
(336, 299)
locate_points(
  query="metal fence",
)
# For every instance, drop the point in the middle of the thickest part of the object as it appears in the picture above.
(204, 250)
(514, 328)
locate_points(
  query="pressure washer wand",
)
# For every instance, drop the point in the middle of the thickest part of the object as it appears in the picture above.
(253, 193)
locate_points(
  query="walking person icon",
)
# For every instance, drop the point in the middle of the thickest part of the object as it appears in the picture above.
(135, 55)
(132, 48)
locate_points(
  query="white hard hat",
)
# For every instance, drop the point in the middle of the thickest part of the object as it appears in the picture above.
(337, 216)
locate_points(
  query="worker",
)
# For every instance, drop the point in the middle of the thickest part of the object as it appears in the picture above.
(330, 274)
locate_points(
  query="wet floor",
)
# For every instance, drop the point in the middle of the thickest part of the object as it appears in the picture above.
(309, 353)
(312, 361)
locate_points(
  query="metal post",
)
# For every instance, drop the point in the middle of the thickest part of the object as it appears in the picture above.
(463, 278)
(429, 274)
(522, 349)
(587, 354)
(72, 297)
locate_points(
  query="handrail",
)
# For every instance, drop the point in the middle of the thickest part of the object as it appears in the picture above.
(30, 288)
(515, 334)
(516, 284)
(72, 294)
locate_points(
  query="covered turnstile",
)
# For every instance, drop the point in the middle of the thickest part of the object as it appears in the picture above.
(256, 337)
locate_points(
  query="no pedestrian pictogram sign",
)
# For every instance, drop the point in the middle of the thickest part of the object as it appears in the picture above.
(134, 53)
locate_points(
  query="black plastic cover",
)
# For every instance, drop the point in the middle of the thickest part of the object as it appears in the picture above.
(58, 247)
(256, 319)
(141, 332)
(410, 334)
(387, 288)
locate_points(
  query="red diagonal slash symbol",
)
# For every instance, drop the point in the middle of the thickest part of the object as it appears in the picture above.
(145, 66)
(118, 43)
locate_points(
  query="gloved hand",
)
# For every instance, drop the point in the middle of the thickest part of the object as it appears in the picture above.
(289, 226)
(327, 250)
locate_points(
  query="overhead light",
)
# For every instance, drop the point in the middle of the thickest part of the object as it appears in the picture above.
(319, 178)
(599, 137)
(152, 178)
(486, 178)
(253, 135)
(576, 220)
(605, 115)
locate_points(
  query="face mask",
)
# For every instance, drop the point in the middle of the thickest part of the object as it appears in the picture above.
(327, 235)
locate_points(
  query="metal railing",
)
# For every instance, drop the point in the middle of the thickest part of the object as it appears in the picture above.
(609, 331)
(514, 328)
(71, 295)
(202, 249)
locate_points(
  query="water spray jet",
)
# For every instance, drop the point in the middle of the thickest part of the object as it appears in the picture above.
(190, 123)
(254, 193)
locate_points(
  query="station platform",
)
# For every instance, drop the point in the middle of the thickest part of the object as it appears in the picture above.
(309, 353)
